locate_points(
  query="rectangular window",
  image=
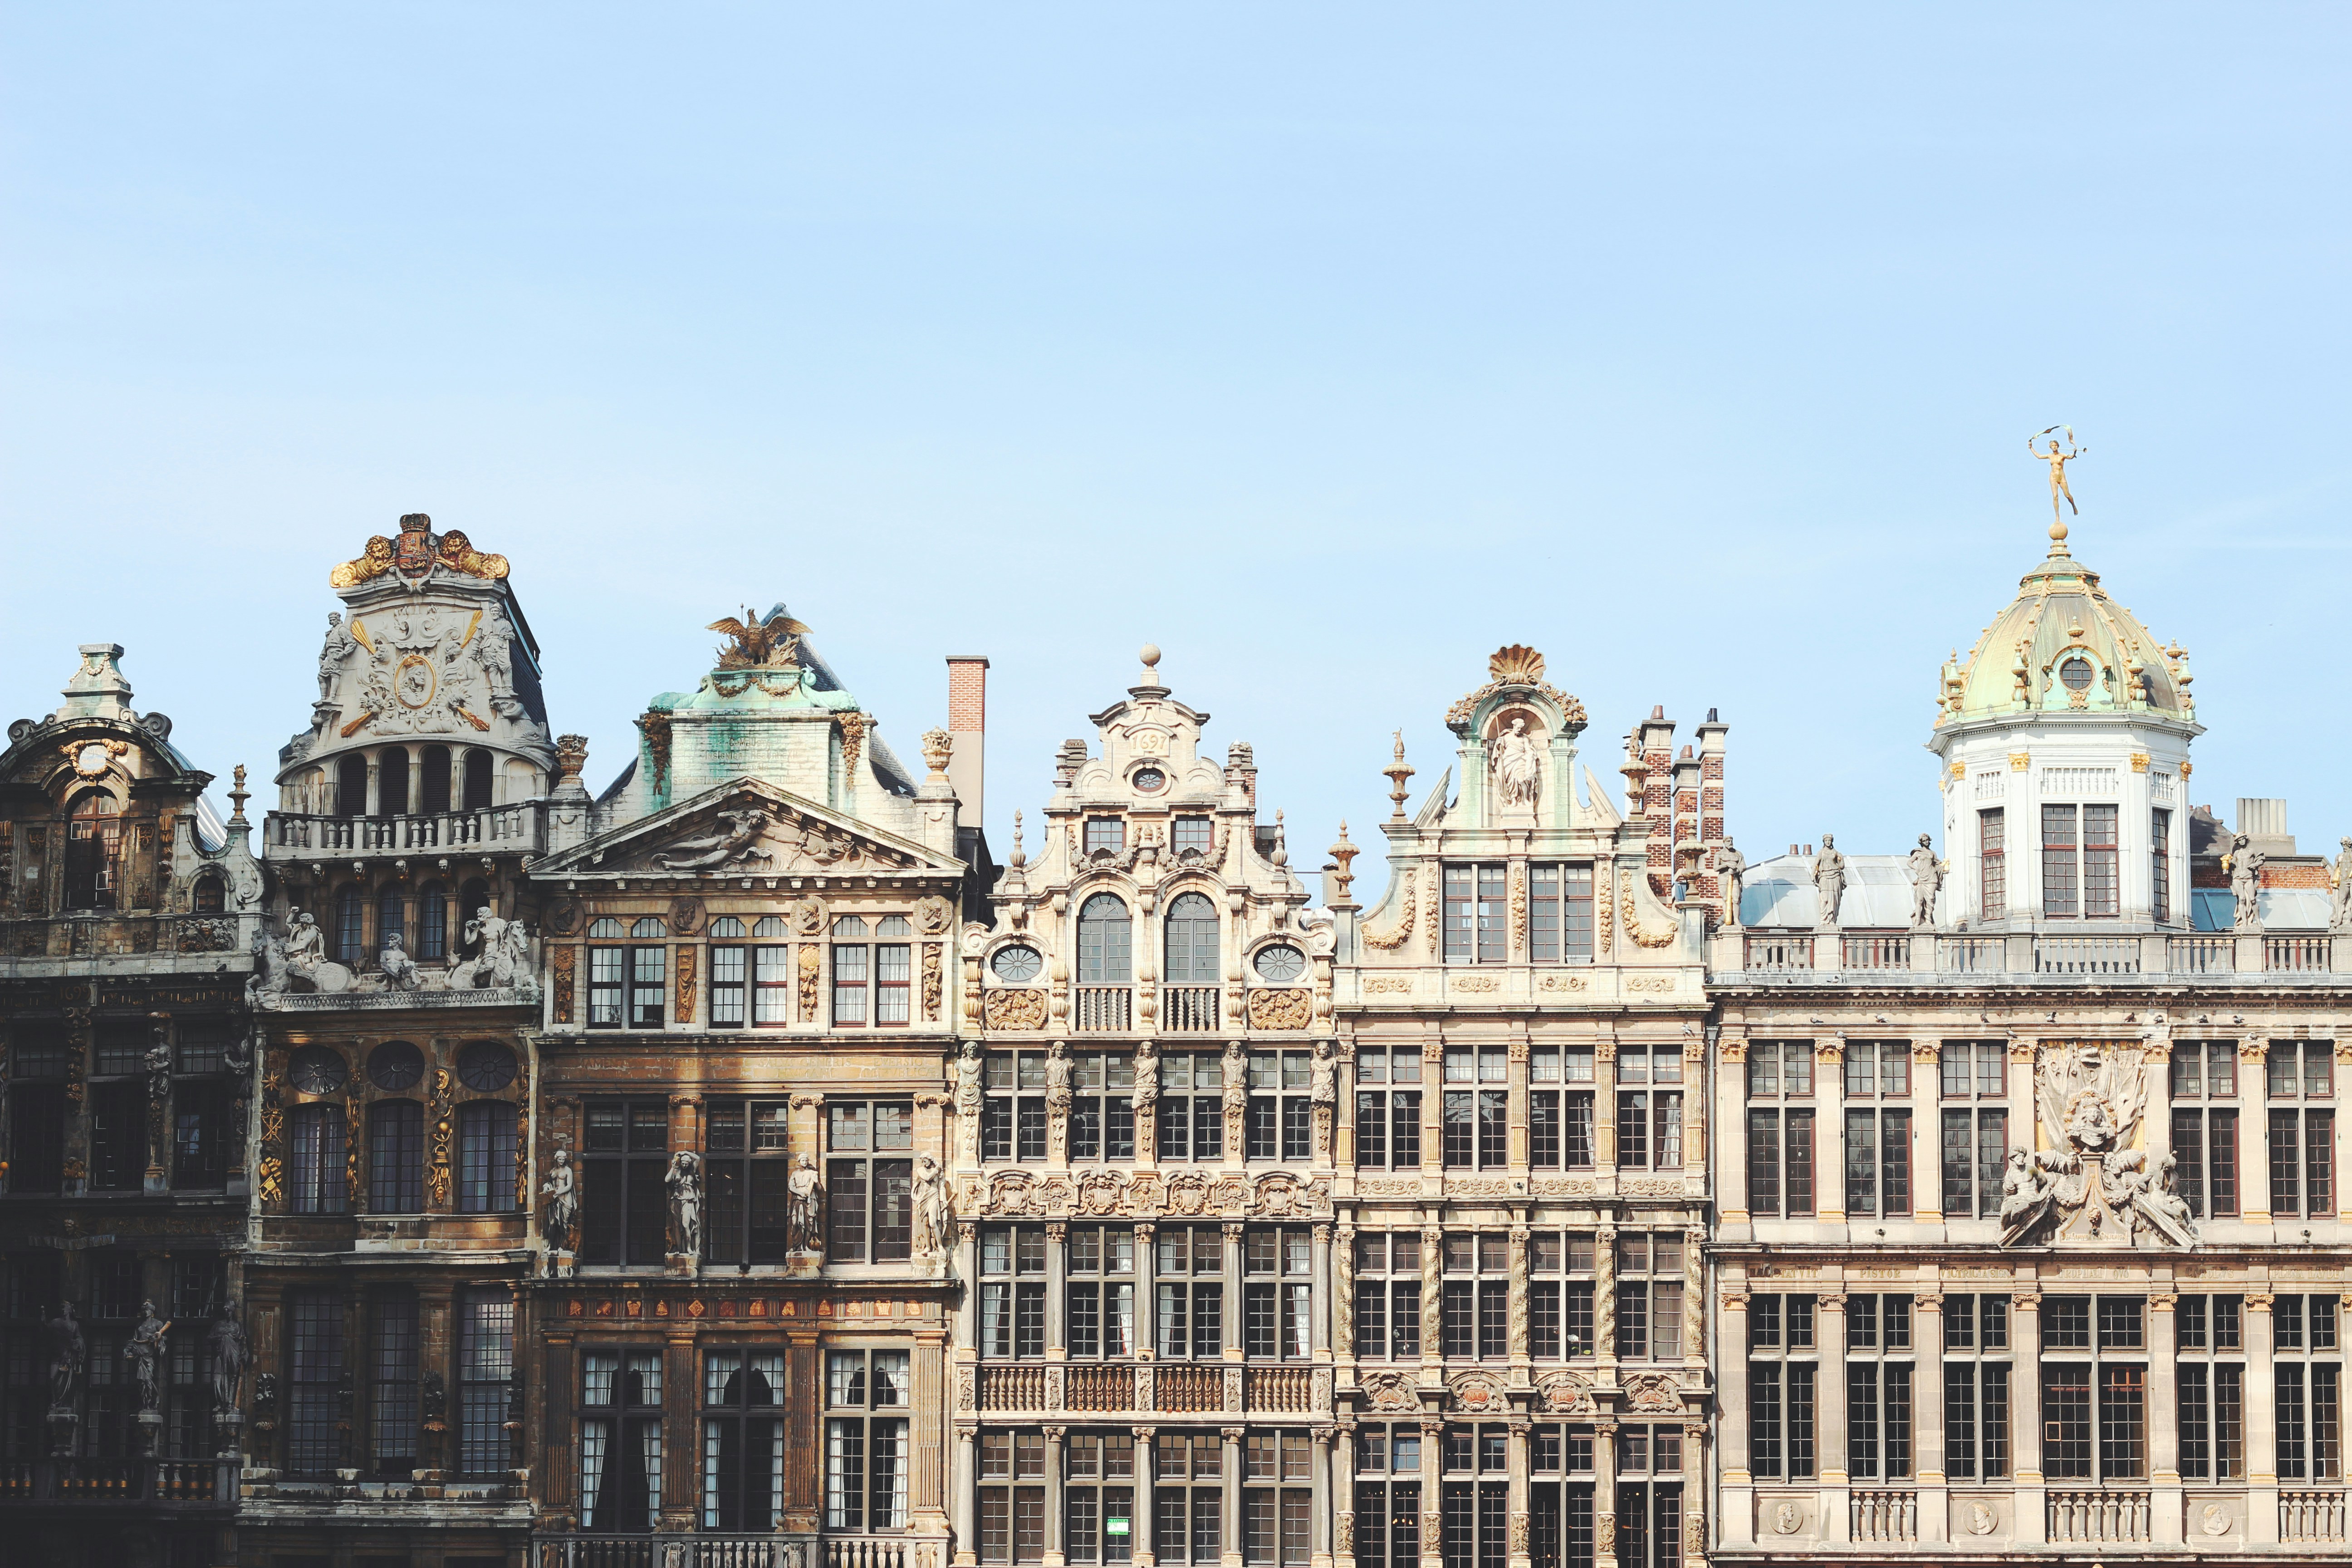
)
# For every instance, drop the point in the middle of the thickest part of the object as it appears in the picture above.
(1387, 1108)
(2210, 1376)
(485, 1369)
(1975, 1126)
(606, 965)
(1992, 864)
(1649, 1298)
(870, 1201)
(2159, 865)
(865, 1450)
(1559, 919)
(743, 1440)
(314, 1368)
(648, 977)
(2300, 1078)
(728, 969)
(772, 986)
(624, 1206)
(747, 1171)
(2062, 896)
(1561, 1294)
(1098, 1496)
(2205, 1126)
(620, 1440)
(1106, 833)
(1781, 1128)
(1387, 1295)
(393, 1372)
(2102, 880)
(1877, 1136)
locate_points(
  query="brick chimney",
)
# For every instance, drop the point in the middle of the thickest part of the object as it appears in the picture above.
(967, 728)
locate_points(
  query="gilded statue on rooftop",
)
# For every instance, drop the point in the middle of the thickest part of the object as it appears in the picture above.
(2058, 459)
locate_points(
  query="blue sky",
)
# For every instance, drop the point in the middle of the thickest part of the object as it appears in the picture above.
(1327, 347)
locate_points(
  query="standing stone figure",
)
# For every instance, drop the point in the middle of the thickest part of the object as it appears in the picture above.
(1730, 871)
(71, 1349)
(226, 1342)
(1927, 877)
(684, 1180)
(804, 1201)
(306, 946)
(1323, 1075)
(934, 1222)
(2339, 917)
(1057, 1079)
(400, 971)
(2246, 882)
(1517, 766)
(143, 1352)
(1829, 882)
(561, 1190)
(340, 646)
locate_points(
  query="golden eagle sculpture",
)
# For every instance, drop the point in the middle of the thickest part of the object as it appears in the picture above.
(759, 644)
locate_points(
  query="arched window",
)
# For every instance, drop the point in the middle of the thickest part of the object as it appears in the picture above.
(433, 783)
(433, 922)
(211, 898)
(485, 1157)
(350, 919)
(391, 917)
(1105, 942)
(93, 847)
(392, 781)
(1192, 942)
(351, 786)
(396, 1157)
(477, 779)
(318, 1165)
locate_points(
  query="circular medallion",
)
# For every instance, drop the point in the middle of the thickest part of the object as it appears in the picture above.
(395, 1065)
(485, 1067)
(563, 917)
(1017, 964)
(316, 1070)
(90, 759)
(686, 916)
(413, 681)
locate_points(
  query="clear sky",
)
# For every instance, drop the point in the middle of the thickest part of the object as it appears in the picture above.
(1327, 347)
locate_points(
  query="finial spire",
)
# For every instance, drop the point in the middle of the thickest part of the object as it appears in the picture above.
(1398, 773)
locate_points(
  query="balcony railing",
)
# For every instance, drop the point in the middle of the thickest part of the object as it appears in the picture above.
(1279, 1390)
(2200, 955)
(484, 830)
(1188, 1389)
(882, 1551)
(663, 1552)
(1780, 954)
(1875, 950)
(2311, 1516)
(1972, 954)
(2087, 955)
(1012, 1388)
(2295, 954)
(1883, 1515)
(113, 1482)
(1189, 1009)
(1105, 1007)
(1102, 1388)
(2098, 1516)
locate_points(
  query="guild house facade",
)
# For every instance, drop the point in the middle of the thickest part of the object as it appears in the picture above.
(736, 1167)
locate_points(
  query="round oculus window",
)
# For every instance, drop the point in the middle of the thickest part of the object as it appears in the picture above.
(485, 1067)
(2076, 674)
(1280, 964)
(1016, 964)
(316, 1070)
(1149, 780)
(395, 1065)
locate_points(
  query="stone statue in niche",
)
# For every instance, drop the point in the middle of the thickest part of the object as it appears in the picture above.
(2246, 882)
(561, 1191)
(1828, 883)
(684, 1180)
(805, 1207)
(68, 1350)
(144, 1351)
(1926, 878)
(340, 646)
(934, 1221)
(227, 1342)
(493, 650)
(1517, 765)
(1057, 1079)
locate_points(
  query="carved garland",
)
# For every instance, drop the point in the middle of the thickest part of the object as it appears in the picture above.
(1519, 909)
(932, 981)
(1389, 940)
(436, 1168)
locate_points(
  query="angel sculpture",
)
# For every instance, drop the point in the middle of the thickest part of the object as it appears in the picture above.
(759, 644)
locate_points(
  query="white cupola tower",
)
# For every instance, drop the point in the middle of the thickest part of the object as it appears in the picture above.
(2064, 738)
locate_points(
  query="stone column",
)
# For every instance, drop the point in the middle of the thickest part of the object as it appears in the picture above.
(1516, 1324)
(967, 1495)
(1696, 1471)
(1056, 1546)
(926, 1504)
(1928, 1126)
(1828, 1143)
(967, 1309)
(2164, 1410)
(1319, 1509)
(1433, 1107)
(1233, 1276)
(1695, 1085)
(1604, 1302)
(1604, 1495)
(1518, 1506)
(1928, 1414)
(1318, 1315)
(374, 787)
(1604, 1113)
(2032, 1524)
(1230, 1502)
(1142, 1548)
(416, 806)
(2261, 1412)
(1057, 1329)
(1828, 1406)
(2254, 1157)
(1147, 1295)
(1517, 1087)
(1432, 1304)
(1343, 1292)
(681, 1443)
(1731, 1149)
(1737, 1507)
(1433, 1494)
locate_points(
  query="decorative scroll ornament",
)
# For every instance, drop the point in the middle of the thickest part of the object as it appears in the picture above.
(1397, 935)
(1515, 669)
(1642, 935)
(415, 553)
(2090, 1184)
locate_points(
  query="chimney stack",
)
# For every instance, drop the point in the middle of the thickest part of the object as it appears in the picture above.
(967, 728)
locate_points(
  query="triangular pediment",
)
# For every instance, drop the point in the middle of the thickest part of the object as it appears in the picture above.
(747, 828)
